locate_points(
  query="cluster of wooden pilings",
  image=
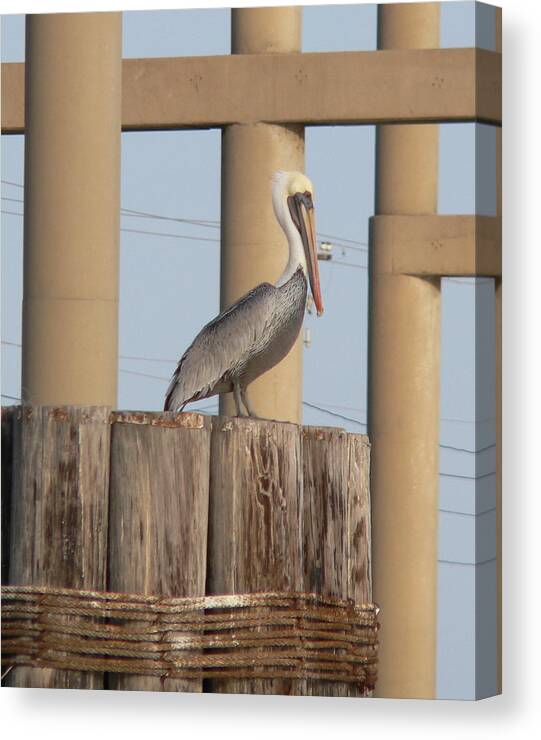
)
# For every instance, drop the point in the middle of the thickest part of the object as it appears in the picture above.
(182, 505)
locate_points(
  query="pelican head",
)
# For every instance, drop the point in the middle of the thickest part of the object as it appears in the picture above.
(292, 198)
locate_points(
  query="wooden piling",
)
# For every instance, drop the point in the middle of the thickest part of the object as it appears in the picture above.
(336, 541)
(158, 516)
(165, 505)
(255, 520)
(8, 416)
(289, 510)
(59, 513)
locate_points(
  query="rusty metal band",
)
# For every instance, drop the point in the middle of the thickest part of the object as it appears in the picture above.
(260, 635)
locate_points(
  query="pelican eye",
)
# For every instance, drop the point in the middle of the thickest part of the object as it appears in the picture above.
(307, 199)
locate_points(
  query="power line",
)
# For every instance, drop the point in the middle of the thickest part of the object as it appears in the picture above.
(468, 513)
(467, 449)
(190, 237)
(120, 357)
(321, 407)
(467, 421)
(15, 184)
(147, 359)
(468, 477)
(473, 282)
(209, 224)
(144, 375)
(132, 213)
(147, 233)
(460, 562)
(172, 236)
(332, 413)
(348, 264)
(310, 405)
(343, 239)
(305, 403)
(339, 241)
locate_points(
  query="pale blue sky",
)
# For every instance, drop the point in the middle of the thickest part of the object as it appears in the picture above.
(169, 286)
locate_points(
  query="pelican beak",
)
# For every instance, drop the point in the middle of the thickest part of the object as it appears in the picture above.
(302, 211)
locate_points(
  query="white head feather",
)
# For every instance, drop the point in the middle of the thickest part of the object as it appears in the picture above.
(285, 184)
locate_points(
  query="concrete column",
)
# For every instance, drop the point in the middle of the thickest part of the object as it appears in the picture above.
(498, 307)
(254, 248)
(404, 395)
(71, 214)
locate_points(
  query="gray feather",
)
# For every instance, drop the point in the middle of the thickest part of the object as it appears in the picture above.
(244, 341)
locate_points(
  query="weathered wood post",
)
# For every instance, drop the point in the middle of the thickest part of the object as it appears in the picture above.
(255, 520)
(8, 419)
(336, 526)
(112, 507)
(59, 514)
(158, 516)
(289, 511)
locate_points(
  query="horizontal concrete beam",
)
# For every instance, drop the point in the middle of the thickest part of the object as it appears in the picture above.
(434, 245)
(366, 87)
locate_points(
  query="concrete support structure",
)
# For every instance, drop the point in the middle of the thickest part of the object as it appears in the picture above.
(330, 88)
(253, 248)
(72, 200)
(404, 395)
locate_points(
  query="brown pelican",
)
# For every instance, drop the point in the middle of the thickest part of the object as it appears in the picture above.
(259, 329)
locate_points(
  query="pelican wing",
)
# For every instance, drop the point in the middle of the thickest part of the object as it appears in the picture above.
(222, 348)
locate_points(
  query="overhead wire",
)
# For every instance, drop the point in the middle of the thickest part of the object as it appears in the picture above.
(339, 241)
(332, 413)
(189, 237)
(172, 236)
(348, 264)
(15, 184)
(322, 406)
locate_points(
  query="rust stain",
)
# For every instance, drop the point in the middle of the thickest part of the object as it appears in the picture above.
(58, 414)
(165, 419)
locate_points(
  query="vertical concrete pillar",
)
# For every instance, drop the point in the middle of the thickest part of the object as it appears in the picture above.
(71, 215)
(404, 395)
(498, 307)
(253, 248)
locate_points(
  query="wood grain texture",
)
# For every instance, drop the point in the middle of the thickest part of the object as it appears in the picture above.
(336, 541)
(8, 442)
(255, 520)
(286, 508)
(8, 416)
(59, 513)
(359, 540)
(289, 509)
(158, 516)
